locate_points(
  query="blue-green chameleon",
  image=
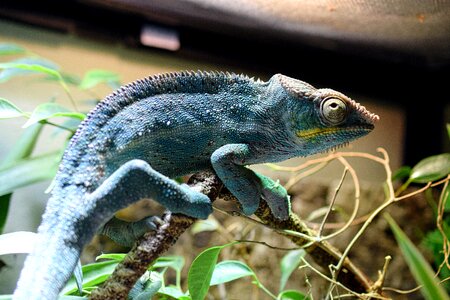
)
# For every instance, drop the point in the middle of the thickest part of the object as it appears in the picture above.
(154, 129)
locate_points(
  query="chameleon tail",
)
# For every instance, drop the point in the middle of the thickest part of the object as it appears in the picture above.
(47, 268)
(51, 263)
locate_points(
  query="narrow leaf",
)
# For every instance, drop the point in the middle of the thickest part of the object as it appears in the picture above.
(230, 270)
(401, 173)
(17, 242)
(9, 110)
(28, 171)
(67, 78)
(9, 49)
(26, 66)
(93, 274)
(172, 291)
(4, 209)
(78, 275)
(174, 262)
(201, 271)
(431, 168)
(95, 77)
(446, 198)
(419, 267)
(289, 263)
(118, 257)
(46, 111)
(22, 149)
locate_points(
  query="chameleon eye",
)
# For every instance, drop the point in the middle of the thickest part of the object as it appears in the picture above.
(333, 110)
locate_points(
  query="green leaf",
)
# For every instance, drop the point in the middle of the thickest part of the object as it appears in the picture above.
(289, 263)
(93, 275)
(174, 262)
(95, 77)
(67, 78)
(17, 242)
(5, 200)
(22, 149)
(9, 110)
(419, 267)
(118, 257)
(201, 271)
(28, 171)
(172, 291)
(448, 130)
(431, 168)
(446, 198)
(78, 275)
(9, 49)
(26, 66)
(401, 173)
(46, 111)
(230, 270)
(210, 224)
(291, 295)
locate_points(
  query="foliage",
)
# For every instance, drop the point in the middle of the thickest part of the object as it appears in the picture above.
(207, 270)
(20, 164)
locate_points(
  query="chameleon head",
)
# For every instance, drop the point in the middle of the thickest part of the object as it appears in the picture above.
(324, 119)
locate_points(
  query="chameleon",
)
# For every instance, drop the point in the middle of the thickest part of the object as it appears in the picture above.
(147, 132)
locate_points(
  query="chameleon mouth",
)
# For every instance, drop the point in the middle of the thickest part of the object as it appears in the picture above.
(315, 132)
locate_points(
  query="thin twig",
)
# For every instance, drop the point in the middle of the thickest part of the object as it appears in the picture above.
(357, 199)
(333, 200)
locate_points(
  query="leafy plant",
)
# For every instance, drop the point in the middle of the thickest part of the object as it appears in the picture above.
(20, 163)
(207, 270)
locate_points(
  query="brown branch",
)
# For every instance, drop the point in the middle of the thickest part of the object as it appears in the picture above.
(154, 244)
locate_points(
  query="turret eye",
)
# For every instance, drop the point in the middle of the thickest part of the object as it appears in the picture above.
(333, 110)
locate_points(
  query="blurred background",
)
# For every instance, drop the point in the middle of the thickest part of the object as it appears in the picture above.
(391, 56)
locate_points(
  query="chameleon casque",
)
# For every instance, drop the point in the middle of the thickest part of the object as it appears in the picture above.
(164, 126)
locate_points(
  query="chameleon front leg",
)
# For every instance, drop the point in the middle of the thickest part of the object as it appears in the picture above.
(246, 185)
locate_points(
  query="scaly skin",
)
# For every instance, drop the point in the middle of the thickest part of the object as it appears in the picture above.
(169, 125)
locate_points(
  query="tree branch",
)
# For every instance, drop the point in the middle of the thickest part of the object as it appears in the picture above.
(155, 243)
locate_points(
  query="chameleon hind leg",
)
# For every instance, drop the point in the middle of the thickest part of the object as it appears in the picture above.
(246, 185)
(136, 180)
